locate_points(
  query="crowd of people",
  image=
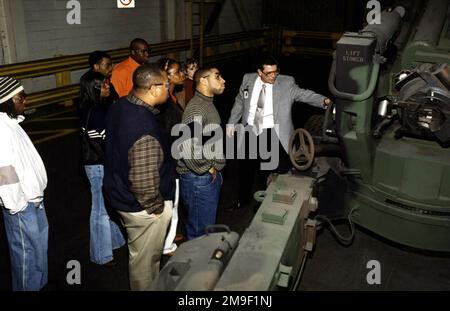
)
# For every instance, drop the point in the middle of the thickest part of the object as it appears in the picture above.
(127, 116)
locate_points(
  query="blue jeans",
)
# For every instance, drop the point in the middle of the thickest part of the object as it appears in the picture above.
(201, 197)
(105, 234)
(27, 233)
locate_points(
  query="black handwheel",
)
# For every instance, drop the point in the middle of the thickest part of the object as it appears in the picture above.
(301, 149)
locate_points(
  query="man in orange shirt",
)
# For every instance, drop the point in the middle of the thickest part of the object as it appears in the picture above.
(123, 72)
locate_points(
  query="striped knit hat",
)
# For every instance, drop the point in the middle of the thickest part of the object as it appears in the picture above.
(8, 88)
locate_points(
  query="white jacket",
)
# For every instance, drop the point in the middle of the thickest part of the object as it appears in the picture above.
(23, 177)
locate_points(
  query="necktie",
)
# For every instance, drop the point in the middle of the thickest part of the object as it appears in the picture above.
(259, 114)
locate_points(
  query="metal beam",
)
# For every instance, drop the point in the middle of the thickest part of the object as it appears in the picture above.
(6, 36)
(171, 19)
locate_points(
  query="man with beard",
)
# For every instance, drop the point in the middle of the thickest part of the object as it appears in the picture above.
(200, 175)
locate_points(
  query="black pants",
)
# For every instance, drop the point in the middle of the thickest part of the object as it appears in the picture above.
(251, 176)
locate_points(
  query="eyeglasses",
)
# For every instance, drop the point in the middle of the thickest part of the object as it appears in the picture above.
(143, 51)
(217, 76)
(271, 73)
(167, 84)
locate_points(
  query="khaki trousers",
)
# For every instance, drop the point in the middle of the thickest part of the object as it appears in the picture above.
(146, 234)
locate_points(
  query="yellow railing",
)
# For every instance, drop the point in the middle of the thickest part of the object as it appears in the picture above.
(62, 66)
(65, 91)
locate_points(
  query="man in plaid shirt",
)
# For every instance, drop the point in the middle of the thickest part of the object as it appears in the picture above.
(139, 177)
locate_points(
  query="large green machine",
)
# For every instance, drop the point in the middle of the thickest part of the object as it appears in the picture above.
(391, 82)
(386, 139)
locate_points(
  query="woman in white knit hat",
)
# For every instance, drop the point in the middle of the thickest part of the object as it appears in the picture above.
(22, 182)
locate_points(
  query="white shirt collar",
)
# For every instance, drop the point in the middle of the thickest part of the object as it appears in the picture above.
(19, 119)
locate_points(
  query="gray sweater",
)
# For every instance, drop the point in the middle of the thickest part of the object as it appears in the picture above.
(201, 151)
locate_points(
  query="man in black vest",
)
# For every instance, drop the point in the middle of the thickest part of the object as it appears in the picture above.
(139, 177)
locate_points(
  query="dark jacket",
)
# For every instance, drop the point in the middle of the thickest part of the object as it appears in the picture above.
(126, 123)
(93, 121)
(170, 114)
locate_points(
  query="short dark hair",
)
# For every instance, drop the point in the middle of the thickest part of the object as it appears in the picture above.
(96, 57)
(9, 108)
(266, 59)
(135, 41)
(147, 75)
(201, 72)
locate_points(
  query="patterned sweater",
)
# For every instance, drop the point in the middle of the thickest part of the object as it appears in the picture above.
(203, 147)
